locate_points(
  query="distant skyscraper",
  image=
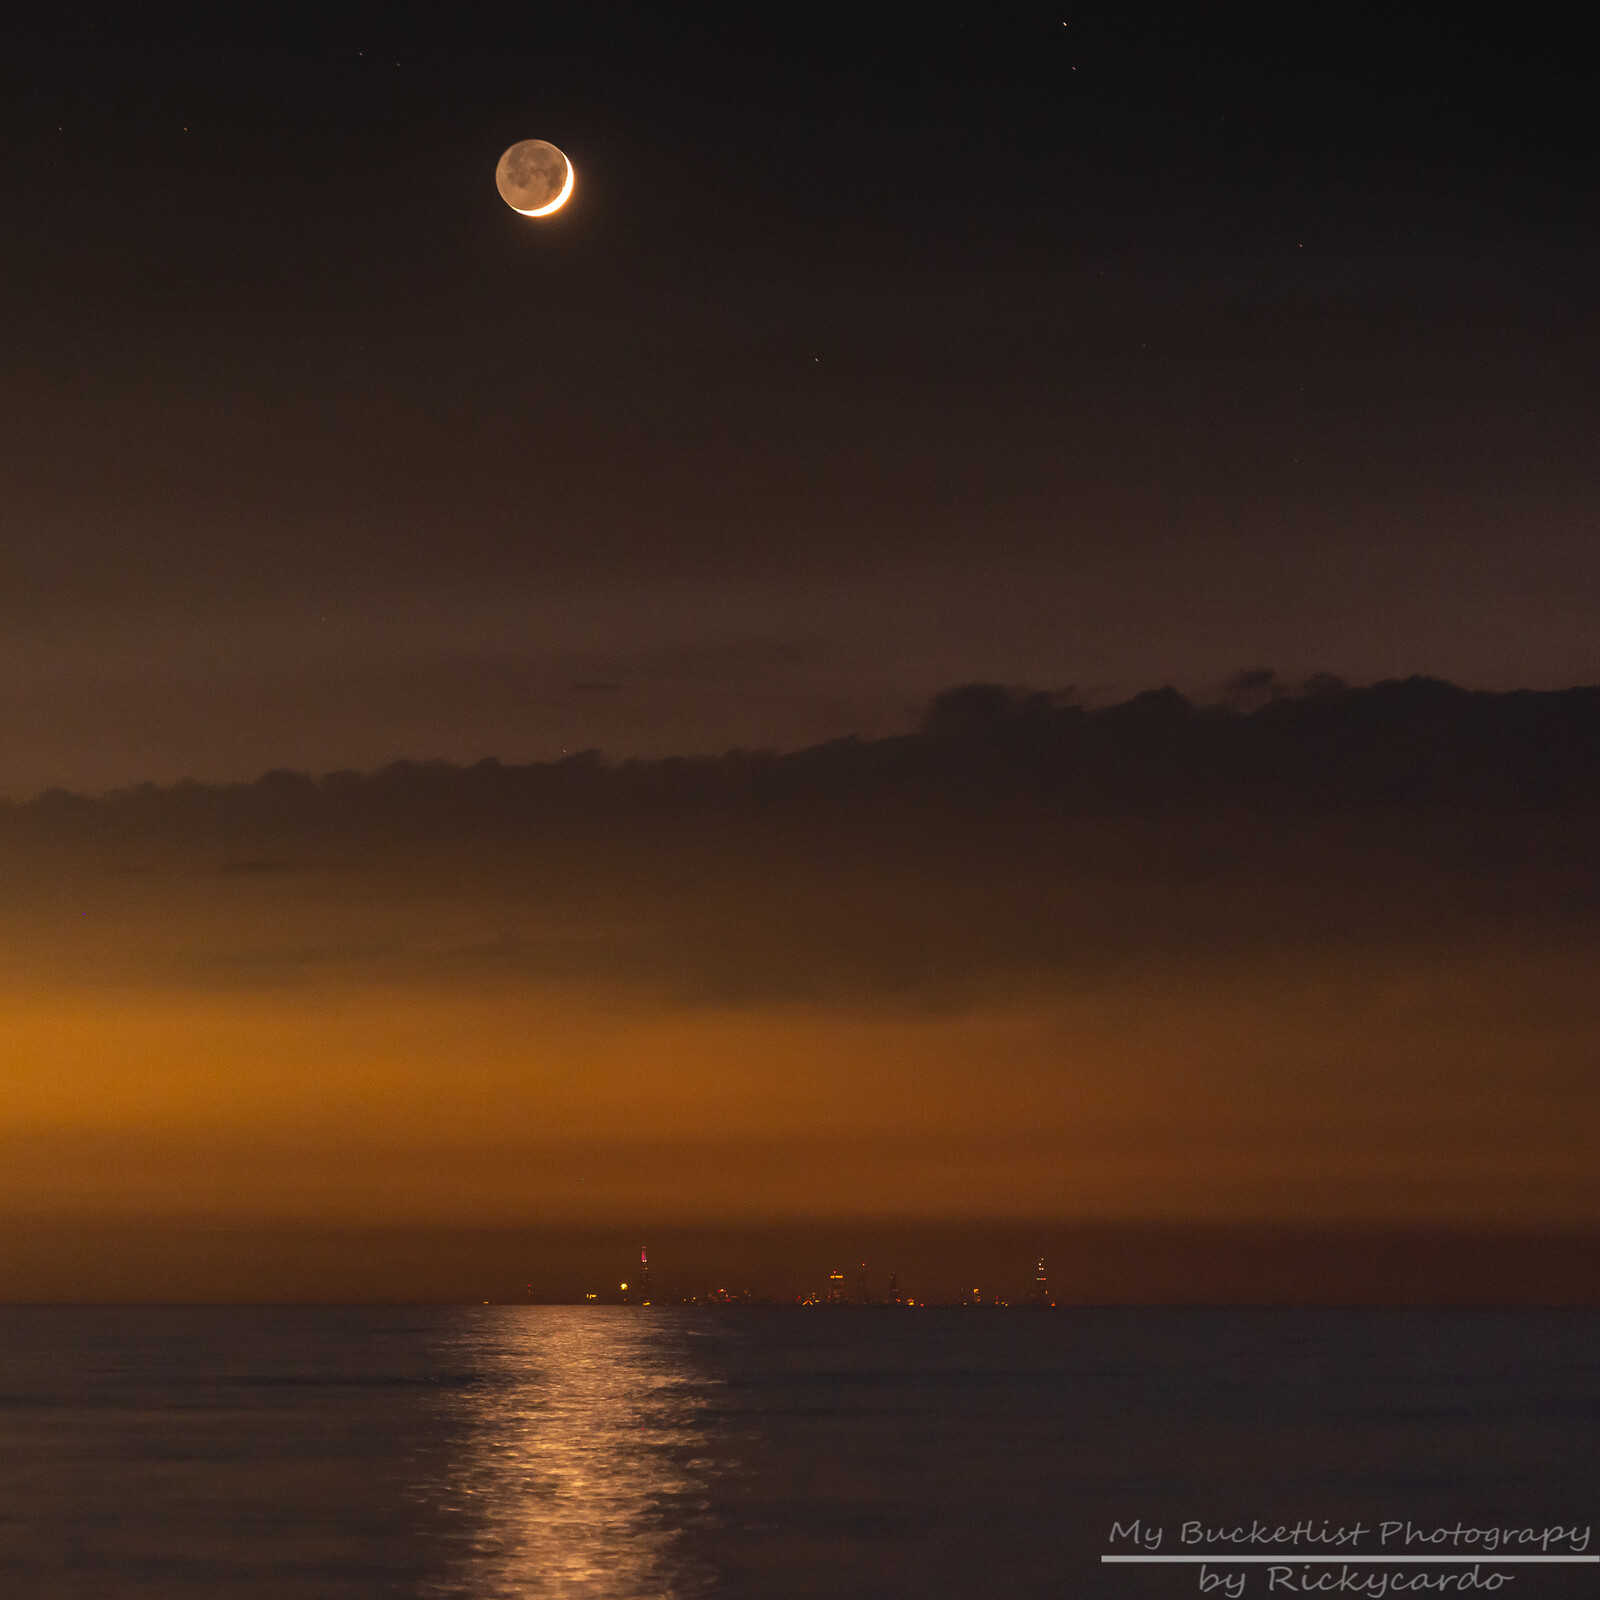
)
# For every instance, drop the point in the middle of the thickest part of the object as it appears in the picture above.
(1041, 1287)
(894, 1288)
(835, 1289)
(644, 1275)
(863, 1298)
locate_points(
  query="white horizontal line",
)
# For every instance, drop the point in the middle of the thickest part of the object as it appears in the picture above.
(1228, 1558)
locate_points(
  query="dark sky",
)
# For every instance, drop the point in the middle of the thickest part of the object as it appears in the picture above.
(879, 349)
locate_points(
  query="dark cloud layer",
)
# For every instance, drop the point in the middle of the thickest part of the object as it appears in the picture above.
(1017, 838)
(1330, 958)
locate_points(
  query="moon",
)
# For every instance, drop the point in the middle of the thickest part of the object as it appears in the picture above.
(533, 177)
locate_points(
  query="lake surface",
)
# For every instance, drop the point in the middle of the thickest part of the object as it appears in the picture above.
(165, 1453)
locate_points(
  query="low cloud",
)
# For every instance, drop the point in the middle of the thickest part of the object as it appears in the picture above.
(1015, 839)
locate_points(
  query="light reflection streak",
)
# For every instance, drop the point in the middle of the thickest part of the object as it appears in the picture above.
(579, 1473)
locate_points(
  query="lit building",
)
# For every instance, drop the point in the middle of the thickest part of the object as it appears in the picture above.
(1041, 1287)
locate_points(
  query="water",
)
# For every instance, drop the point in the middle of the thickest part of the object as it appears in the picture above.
(232, 1453)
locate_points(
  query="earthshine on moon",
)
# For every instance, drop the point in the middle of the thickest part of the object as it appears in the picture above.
(533, 177)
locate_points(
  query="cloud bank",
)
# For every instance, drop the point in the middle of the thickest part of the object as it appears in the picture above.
(1327, 959)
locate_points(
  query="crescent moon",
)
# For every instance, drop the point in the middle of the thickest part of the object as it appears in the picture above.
(534, 178)
(556, 204)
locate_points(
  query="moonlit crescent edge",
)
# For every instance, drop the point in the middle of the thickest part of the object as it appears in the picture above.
(559, 201)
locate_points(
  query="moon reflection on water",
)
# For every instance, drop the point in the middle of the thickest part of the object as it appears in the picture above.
(579, 1469)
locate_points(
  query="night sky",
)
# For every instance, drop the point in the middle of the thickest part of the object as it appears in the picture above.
(1245, 351)
(880, 349)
